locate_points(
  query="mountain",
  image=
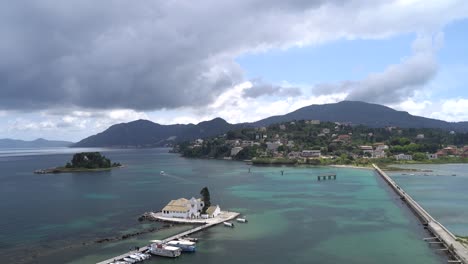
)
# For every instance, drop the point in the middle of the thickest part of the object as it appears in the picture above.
(372, 115)
(38, 143)
(144, 133)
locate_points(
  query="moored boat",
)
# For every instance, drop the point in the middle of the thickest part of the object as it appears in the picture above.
(241, 220)
(136, 257)
(228, 224)
(185, 245)
(129, 260)
(162, 250)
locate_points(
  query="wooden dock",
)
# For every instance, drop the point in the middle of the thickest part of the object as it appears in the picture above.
(440, 232)
(224, 216)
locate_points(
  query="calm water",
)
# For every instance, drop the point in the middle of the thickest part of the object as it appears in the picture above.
(293, 218)
(445, 196)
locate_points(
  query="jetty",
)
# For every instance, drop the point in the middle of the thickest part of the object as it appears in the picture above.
(326, 176)
(207, 223)
(441, 235)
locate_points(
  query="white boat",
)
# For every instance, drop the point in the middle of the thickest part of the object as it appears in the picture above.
(162, 173)
(193, 239)
(143, 255)
(241, 220)
(185, 245)
(129, 260)
(136, 257)
(160, 249)
(228, 224)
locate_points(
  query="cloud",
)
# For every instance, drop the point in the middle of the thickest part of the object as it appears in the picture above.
(148, 55)
(397, 82)
(264, 89)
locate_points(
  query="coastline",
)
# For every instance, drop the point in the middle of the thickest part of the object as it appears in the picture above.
(350, 166)
(73, 170)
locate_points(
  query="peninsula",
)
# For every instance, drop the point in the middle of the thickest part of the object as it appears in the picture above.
(83, 162)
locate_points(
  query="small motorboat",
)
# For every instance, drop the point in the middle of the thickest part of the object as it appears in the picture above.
(162, 173)
(228, 224)
(241, 220)
(130, 260)
(143, 255)
(136, 257)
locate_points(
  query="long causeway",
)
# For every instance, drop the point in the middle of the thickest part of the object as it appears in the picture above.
(440, 232)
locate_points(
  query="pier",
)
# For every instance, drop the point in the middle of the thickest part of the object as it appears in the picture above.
(325, 177)
(207, 223)
(440, 232)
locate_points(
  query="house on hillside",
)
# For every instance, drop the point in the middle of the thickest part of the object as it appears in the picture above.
(431, 156)
(273, 146)
(310, 153)
(448, 151)
(344, 138)
(294, 155)
(183, 208)
(403, 157)
(420, 136)
(367, 149)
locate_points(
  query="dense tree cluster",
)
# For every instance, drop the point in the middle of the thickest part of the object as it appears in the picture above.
(90, 160)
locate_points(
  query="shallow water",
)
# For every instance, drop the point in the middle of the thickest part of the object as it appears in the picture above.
(442, 191)
(293, 218)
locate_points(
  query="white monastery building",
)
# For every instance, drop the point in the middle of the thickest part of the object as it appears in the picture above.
(189, 209)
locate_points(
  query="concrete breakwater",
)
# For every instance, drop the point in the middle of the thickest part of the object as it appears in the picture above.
(440, 232)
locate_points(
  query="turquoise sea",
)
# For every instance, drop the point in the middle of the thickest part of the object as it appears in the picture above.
(293, 218)
(442, 190)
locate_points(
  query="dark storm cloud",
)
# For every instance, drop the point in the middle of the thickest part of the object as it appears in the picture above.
(154, 54)
(130, 54)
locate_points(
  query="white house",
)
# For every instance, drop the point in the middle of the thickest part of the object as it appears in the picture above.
(183, 208)
(212, 211)
(310, 153)
(367, 149)
(294, 155)
(403, 157)
(431, 156)
(420, 136)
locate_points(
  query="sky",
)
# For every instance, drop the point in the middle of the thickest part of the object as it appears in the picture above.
(70, 69)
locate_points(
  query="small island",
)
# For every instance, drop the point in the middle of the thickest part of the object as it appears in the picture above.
(84, 162)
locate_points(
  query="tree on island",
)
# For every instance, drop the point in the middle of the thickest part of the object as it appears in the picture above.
(90, 160)
(205, 193)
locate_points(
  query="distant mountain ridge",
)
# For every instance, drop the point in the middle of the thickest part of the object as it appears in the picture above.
(144, 133)
(372, 115)
(37, 143)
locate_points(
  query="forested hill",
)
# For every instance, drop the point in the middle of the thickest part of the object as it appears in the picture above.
(372, 115)
(144, 133)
